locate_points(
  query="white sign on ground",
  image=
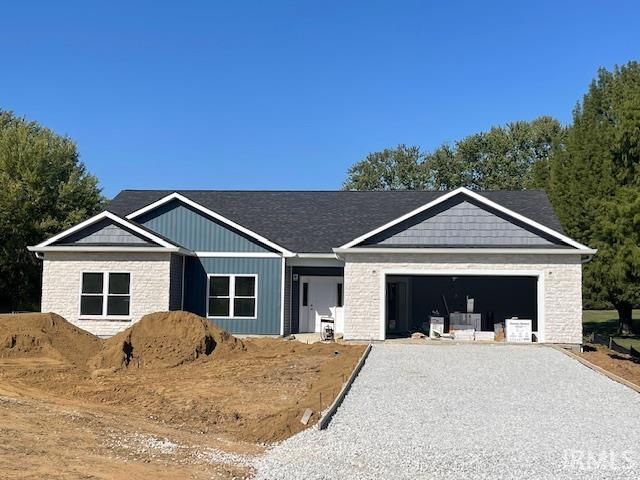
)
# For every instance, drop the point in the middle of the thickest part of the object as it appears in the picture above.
(518, 330)
(436, 324)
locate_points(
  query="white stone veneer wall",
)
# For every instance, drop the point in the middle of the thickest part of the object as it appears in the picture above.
(62, 273)
(562, 283)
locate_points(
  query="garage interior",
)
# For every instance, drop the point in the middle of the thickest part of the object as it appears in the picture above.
(412, 301)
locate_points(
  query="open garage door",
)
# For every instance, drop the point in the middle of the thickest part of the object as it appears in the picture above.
(411, 300)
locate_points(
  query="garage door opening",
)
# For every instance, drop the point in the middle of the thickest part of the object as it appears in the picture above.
(413, 300)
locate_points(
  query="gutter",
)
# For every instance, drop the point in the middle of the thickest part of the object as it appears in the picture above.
(587, 258)
(316, 255)
(490, 251)
(39, 250)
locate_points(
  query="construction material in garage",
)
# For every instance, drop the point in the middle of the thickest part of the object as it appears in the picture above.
(466, 307)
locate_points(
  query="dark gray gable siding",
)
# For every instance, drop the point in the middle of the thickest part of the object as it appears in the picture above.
(269, 271)
(462, 222)
(196, 231)
(105, 232)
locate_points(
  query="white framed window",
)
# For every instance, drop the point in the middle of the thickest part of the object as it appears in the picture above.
(105, 295)
(232, 296)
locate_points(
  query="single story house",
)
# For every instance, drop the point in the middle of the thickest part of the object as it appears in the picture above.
(380, 263)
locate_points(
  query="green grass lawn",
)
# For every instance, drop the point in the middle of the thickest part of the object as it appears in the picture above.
(606, 323)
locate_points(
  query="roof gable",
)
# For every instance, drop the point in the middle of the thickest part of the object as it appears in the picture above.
(100, 226)
(206, 212)
(461, 222)
(475, 198)
(197, 231)
(105, 232)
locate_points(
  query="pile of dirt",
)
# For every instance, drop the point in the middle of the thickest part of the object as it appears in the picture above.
(163, 340)
(45, 335)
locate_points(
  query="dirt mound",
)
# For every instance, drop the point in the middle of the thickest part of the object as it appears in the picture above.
(45, 335)
(165, 339)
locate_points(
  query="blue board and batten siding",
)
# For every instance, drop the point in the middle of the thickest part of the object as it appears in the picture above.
(195, 231)
(269, 271)
(198, 232)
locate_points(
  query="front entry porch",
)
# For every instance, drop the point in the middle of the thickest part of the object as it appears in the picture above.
(321, 297)
(316, 293)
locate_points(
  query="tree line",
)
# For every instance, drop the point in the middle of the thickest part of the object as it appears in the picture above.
(590, 170)
(44, 189)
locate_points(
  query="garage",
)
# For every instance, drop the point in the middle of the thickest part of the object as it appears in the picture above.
(481, 303)
(479, 266)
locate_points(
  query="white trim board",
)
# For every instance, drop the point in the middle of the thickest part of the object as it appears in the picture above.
(114, 218)
(475, 251)
(67, 248)
(239, 254)
(282, 299)
(211, 213)
(477, 197)
(539, 274)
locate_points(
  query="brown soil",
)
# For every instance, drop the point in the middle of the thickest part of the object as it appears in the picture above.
(614, 362)
(67, 419)
(45, 335)
(165, 339)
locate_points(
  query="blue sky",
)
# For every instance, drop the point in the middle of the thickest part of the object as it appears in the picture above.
(287, 95)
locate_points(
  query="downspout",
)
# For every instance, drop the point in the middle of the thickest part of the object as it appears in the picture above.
(282, 298)
(184, 258)
(586, 259)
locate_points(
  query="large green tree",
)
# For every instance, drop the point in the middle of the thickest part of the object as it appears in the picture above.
(594, 185)
(400, 168)
(44, 188)
(512, 156)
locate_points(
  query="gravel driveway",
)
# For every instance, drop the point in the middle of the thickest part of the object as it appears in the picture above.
(470, 411)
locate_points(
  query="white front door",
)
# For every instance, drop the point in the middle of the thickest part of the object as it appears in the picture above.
(319, 298)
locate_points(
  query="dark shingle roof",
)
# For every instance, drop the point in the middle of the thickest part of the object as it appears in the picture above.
(317, 221)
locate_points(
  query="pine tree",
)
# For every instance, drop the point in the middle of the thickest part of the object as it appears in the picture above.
(595, 182)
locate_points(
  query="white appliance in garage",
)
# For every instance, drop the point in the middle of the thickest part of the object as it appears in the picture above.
(321, 297)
